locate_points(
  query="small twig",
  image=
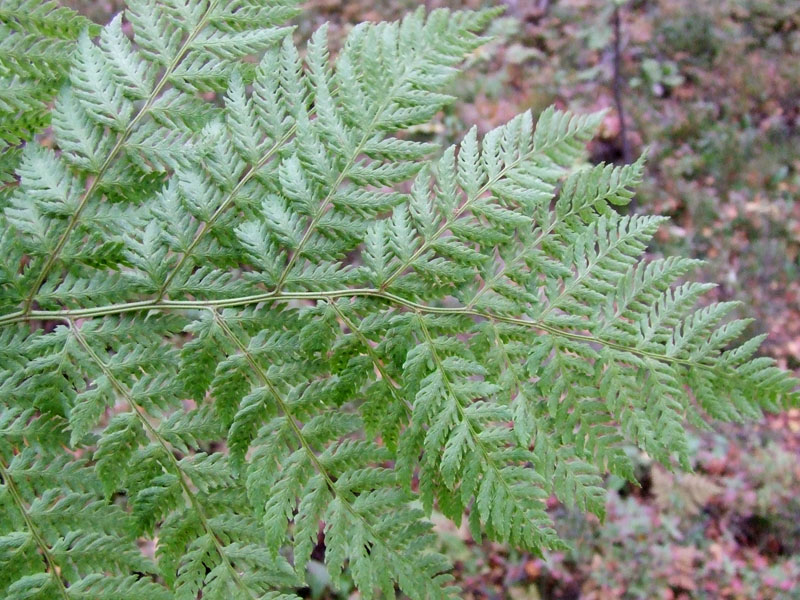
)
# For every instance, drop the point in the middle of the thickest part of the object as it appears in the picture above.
(618, 84)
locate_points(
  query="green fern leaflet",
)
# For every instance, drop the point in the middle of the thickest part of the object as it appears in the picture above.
(245, 316)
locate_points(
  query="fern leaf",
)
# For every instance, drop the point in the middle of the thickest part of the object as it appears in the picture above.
(247, 319)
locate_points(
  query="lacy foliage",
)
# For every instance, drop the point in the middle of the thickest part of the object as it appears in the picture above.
(243, 311)
(36, 41)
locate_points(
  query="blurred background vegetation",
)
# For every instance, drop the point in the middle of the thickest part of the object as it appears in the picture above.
(712, 90)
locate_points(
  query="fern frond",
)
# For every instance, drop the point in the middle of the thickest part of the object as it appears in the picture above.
(268, 326)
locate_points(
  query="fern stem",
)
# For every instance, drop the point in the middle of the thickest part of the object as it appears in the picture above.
(73, 220)
(195, 503)
(13, 491)
(112, 309)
